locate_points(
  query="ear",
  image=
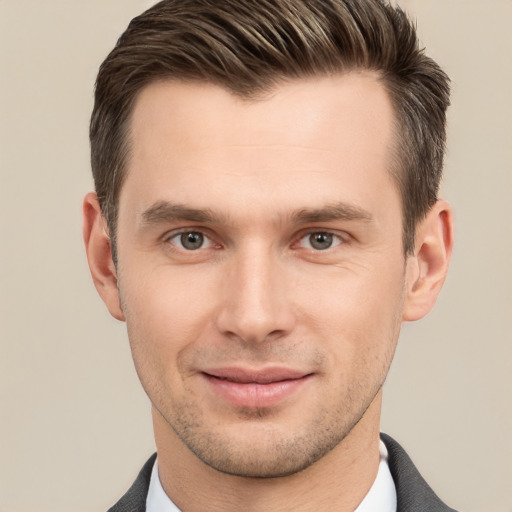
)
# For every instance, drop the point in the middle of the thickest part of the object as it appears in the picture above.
(99, 255)
(428, 266)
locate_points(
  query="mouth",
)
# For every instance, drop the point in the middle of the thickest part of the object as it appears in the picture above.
(255, 388)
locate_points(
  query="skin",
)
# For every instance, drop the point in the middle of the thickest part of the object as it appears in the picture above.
(262, 182)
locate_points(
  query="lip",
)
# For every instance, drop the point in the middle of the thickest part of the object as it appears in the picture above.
(255, 389)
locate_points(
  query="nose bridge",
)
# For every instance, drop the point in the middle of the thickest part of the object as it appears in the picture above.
(255, 302)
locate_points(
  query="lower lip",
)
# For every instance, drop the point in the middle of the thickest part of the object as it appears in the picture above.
(254, 395)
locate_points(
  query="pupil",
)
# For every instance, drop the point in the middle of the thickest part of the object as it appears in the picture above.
(192, 240)
(320, 241)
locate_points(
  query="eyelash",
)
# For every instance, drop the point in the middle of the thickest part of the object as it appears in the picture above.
(338, 239)
(168, 239)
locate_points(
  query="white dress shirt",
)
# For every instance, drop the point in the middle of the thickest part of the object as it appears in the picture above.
(380, 498)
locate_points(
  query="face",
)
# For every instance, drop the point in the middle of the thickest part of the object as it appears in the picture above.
(261, 271)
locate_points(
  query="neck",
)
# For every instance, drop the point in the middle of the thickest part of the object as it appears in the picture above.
(338, 481)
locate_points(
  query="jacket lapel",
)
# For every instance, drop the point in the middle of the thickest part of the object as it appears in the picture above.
(135, 499)
(413, 492)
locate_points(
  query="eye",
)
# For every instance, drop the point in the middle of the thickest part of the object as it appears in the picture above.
(320, 241)
(190, 240)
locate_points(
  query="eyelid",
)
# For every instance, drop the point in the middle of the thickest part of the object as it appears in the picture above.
(209, 240)
(343, 237)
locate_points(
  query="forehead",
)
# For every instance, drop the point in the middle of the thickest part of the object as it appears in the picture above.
(318, 134)
(305, 106)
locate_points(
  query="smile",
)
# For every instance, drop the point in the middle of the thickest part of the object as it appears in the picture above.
(255, 389)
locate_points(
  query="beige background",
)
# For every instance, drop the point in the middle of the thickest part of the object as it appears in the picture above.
(75, 425)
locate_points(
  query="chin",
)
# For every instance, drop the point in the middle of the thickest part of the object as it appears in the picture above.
(262, 451)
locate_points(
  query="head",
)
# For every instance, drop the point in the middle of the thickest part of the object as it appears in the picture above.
(249, 50)
(268, 177)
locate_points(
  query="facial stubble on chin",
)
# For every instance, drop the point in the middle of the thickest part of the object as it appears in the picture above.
(275, 453)
(265, 451)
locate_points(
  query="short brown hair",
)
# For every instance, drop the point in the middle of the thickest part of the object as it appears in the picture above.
(247, 47)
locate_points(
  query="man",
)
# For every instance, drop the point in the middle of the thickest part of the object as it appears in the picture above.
(265, 218)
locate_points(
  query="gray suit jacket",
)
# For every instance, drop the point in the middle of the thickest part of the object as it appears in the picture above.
(414, 494)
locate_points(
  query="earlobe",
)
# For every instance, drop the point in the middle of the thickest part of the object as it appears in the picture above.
(99, 255)
(428, 266)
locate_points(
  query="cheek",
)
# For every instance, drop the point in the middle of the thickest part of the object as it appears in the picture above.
(356, 312)
(168, 298)
(166, 313)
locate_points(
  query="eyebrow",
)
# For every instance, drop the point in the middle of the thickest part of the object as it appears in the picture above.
(338, 211)
(167, 212)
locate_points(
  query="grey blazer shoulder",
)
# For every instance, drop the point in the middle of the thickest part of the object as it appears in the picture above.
(414, 494)
(135, 499)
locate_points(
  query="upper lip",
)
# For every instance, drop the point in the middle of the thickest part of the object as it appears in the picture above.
(256, 376)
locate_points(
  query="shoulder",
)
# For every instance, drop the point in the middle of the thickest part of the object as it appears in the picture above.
(413, 492)
(135, 499)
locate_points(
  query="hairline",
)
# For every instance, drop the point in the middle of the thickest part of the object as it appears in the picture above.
(396, 163)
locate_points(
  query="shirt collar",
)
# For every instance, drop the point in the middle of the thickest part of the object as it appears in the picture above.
(382, 495)
(157, 500)
(380, 498)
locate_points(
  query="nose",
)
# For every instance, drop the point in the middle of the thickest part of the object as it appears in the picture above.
(255, 304)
